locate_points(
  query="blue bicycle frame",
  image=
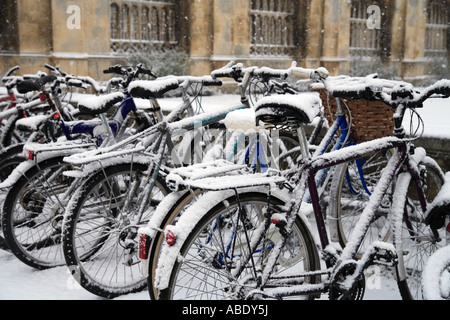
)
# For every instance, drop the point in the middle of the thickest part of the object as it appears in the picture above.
(87, 127)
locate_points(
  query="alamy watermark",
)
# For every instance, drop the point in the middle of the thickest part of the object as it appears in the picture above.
(74, 19)
(374, 20)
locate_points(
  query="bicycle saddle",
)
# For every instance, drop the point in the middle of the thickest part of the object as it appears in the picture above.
(147, 89)
(100, 104)
(288, 110)
(34, 84)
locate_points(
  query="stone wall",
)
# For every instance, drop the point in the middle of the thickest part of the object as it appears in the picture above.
(214, 32)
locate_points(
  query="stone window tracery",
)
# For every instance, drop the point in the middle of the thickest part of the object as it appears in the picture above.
(137, 25)
(437, 28)
(271, 31)
(8, 26)
(363, 40)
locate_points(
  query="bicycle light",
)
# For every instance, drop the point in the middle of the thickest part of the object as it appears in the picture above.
(42, 97)
(170, 238)
(144, 244)
(172, 185)
(28, 154)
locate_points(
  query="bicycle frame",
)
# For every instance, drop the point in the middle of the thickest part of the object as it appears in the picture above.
(400, 159)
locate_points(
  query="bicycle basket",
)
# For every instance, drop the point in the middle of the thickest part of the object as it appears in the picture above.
(370, 119)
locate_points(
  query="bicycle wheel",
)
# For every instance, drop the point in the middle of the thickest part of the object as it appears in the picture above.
(177, 207)
(9, 159)
(417, 243)
(436, 276)
(219, 242)
(289, 151)
(32, 214)
(100, 229)
(350, 190)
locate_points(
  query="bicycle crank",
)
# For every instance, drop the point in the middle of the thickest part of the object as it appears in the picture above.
(348, 283)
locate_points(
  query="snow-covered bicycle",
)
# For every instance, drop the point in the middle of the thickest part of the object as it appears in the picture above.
(36, 191)
(246, 238)
(337, 137)
(125, 183)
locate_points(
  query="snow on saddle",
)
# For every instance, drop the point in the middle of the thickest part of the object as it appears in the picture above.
(291, 110)
(100, 104)
(147, 89)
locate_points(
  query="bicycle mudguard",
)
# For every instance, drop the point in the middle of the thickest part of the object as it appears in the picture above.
(188, 220)
(440, 207)
(22, 169)
(154, 225)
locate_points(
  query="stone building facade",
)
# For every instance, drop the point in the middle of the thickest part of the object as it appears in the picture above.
(408, 37)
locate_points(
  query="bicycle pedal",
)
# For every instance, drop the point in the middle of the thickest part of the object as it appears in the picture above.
(382, 253)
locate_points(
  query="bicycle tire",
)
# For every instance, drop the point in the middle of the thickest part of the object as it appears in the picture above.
(348, 198)
(409, 289)
(97, 243)
(436, 275)
(32, 213)
(9, 159)
(11, 135)
(230, 289)
(417, 249)
(184, 199)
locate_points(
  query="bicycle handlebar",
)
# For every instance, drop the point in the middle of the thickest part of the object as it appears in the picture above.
(56, 70)
(141, 69)
(231, 70)
(10, 71)
(408, 97)
(34, 85)
(204, 80)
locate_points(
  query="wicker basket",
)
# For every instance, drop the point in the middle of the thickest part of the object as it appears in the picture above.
(371, 119)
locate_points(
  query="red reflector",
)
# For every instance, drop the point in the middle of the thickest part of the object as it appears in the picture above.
(42, 97)
(143, 246)
(275, 221)
(28, 154)
(170, 238)
(448, 228)
(56, 116)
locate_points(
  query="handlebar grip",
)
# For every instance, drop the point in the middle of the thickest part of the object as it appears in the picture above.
(301, 73)
(212, 82)
(272, 73)
(10, 71)
(75, 83)
(231, 70)
(55, 70)
(146, 71)
(51, 68)
(115, 69)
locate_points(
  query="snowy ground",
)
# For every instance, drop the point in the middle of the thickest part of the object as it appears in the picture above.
(18, 281)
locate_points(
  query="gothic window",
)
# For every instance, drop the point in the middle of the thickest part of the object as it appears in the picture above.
(271, 31)
(134, 23)
(8, 26)
(154, 25)
(437, 28)
(367, 39)
(144, 24)
(138, 24)
(364, 41)
(163, 25)
(124, 21)
(114, 21)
